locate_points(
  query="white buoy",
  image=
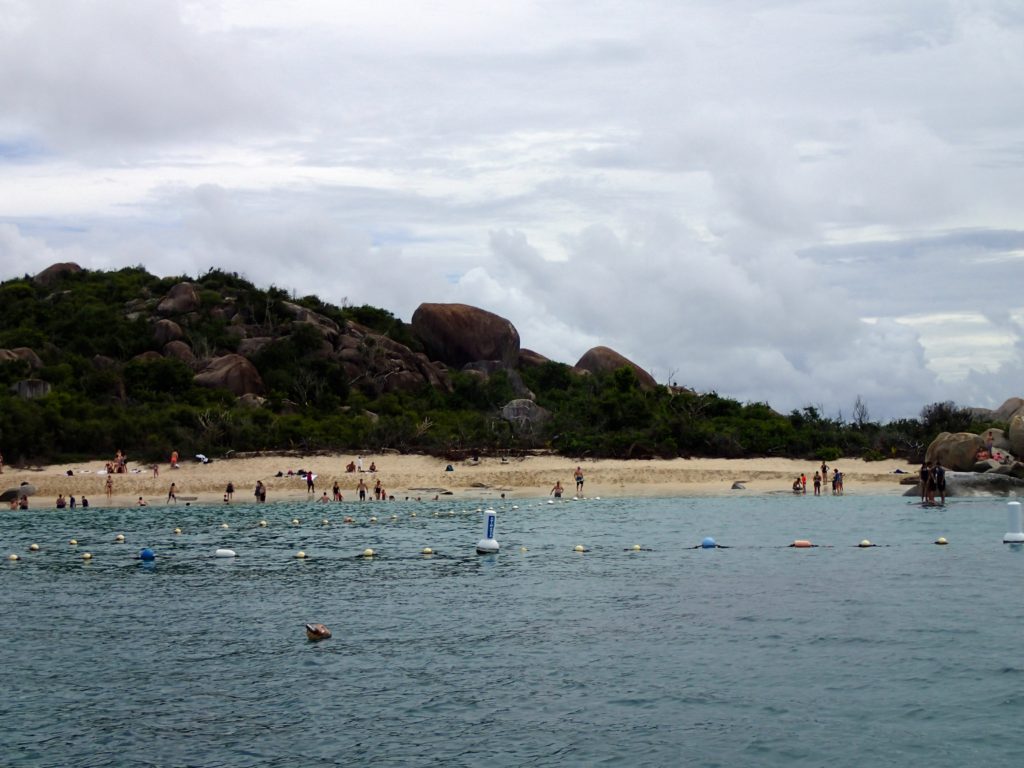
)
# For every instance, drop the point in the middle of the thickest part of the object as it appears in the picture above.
(225, 553)
(487, 545)
(1014, 534)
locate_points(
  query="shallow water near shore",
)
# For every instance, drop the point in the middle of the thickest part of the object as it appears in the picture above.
(759, 654)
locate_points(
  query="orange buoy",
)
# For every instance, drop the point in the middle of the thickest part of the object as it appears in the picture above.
(801, 544)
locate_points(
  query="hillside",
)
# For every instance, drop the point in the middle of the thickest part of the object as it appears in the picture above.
(95, 362)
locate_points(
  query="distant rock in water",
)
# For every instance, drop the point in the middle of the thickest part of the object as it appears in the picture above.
(959, 484)
(605, 360)
(457, 334)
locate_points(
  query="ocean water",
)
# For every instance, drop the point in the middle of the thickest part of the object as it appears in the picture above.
(760, 654)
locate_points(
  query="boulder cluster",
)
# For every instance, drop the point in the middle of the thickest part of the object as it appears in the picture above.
(453, 337)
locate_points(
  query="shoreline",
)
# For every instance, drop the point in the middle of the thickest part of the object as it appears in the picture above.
(418, 476)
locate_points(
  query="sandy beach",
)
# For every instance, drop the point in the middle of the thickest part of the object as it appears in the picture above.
(425, 477)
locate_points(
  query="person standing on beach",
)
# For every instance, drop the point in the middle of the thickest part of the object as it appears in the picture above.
(172, 493)
(310, 485)
(260, 492)
(817, 483)
(824, 470)
(578, 475)
(174, 459)
(361, 487)
(803, 483)
(110, 487)
(359, 463)
(229, 492)
(337, 491)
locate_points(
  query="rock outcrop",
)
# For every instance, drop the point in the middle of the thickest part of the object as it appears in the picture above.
(21, 353)
(179, 350)
(957, 451)
(165, 331)
(530, 359)
(53, 273)
(605, 360)
(1005, 411)
(959, 484)
(180, 300)
(233, 373)
(1015, 434)
(524, 414)
(457, 334)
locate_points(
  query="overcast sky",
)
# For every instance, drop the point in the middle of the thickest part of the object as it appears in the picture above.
(791, 201)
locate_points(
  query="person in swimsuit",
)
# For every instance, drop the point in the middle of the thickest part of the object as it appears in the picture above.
(361, 487)
(557, 490)
(578, 474)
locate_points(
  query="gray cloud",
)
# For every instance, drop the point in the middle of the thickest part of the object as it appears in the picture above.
(781, 201)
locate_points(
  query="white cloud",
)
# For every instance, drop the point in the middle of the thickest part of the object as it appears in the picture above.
(723, 192)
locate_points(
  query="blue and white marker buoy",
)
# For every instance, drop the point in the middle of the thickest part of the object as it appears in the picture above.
(1014, 534)
(147, 554)
(708, 543)
(487, 545)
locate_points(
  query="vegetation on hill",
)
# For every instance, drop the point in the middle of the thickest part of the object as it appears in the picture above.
(89, 329)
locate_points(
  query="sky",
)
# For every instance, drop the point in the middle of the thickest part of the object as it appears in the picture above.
(786, 201)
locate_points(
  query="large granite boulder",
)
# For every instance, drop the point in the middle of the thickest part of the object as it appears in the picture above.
(605, 360)
(233, 373)
(29, 389)
(457, 334)
(526, 415)
(957, 451)
(53, 273)
(179, 350)
(21, 353)
(180, 300)
(1007, 409)
(327, 327)
(530, 359)
(1015, 434)
(165, 331)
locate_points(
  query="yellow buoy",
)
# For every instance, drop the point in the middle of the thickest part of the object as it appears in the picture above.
(941, 540)
(33, 547)
(428, 551)
(412, 514)
(263, 523)
(522, 549)
(373, 519)
(73, 542)
(368, 552)
(579, 548)
(325, 521)
(12, 557)
(87, 556)
(865, 543)
(119, 538)
(295, 521)
(637, 547)
(300, 555)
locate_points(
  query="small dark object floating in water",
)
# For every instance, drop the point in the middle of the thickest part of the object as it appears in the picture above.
(317, 632)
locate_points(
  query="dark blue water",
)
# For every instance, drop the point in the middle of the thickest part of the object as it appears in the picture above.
(903, 654)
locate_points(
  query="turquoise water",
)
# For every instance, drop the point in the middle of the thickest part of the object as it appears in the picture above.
(755, 655)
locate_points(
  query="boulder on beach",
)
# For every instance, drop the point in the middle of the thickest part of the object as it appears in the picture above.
(957, 451)
(233, 373)
(606, 360)
(457, 334)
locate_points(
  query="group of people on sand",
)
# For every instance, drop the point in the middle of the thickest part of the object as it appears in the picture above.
(820, 477)
(577, 475)
(357, 465)
(932, 480)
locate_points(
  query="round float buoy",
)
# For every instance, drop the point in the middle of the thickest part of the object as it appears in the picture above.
(33, 547)
(708, 543)
(427, 551)
(579, 548)
(394, 517)
(865, 543)
(13, 557)
(177, 531)
(373, 519)
(941, 540)
(317, 632)
(348, 520)
(325, 522)
(225, 553)
(412, 514)
(300, 555)
(263, 523)
(801, 544)
(368, 552)
(87, 555)
(523, 549)
(515, 506)
(295, 521)
(147, 554)
(551, 501)
(73, 542)
(224, 526)
(119, 538)
(636, 547)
